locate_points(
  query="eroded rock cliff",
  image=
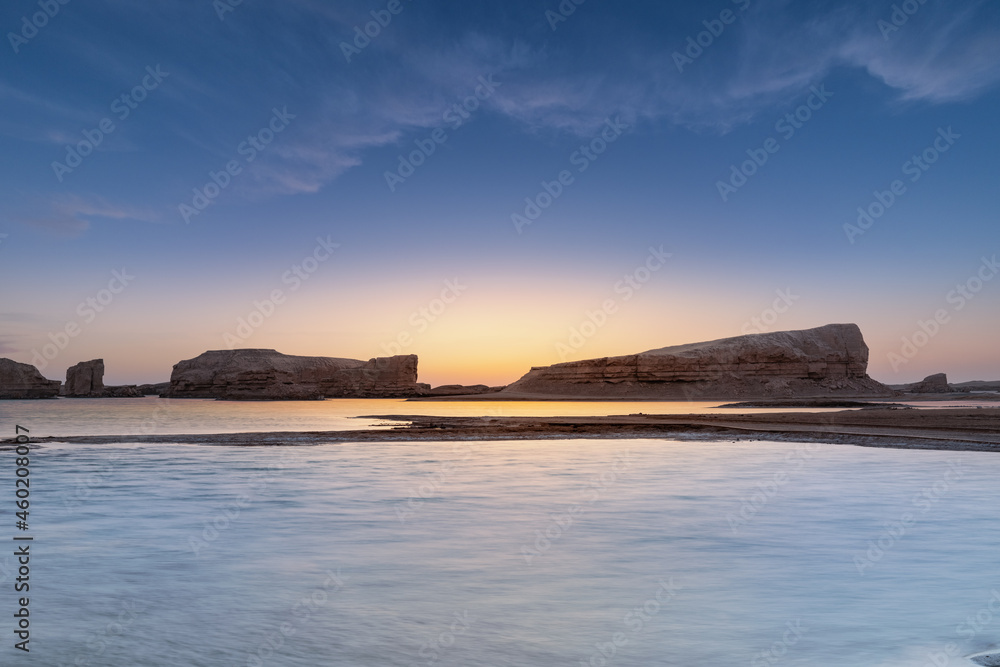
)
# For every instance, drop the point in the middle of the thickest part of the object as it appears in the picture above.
(827, 361)
(255, 374)
(24, 381)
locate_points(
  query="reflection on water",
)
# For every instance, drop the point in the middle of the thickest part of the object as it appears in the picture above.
(627, 553)
(148, 416)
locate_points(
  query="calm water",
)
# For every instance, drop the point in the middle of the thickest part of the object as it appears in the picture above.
(507, 553)
(146, 416)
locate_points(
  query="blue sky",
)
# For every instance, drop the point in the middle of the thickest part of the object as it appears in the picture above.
(224, 76)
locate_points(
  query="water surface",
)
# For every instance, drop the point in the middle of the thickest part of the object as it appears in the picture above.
(151, 415)
(508, 553)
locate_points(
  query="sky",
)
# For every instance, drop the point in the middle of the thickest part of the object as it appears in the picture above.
(494, 186)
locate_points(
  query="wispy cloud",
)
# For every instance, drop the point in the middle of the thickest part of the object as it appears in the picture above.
(552, 83)
(946, 54)
(957, 59)
(71, 215)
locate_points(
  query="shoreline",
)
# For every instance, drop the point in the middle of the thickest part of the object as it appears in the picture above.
(950, 429)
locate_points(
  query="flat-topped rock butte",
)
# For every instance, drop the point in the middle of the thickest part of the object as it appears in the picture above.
(255, 374)
(831, 360)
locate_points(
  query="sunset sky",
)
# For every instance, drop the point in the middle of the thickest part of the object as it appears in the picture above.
(611, 119)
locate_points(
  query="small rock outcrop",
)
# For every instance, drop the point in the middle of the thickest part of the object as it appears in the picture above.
(20, 381)
(827, 361)
(122, 391)
(254, 374)
(978, 386)
(154, 389)
(460, 390)
(932, 384)
(85, 379)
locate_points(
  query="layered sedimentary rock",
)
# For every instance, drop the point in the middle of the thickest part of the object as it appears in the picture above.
(827, 361)
(24, 381)
(270, 375)
(85, 379)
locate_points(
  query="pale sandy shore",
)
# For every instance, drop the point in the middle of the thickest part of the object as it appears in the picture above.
(972, 429)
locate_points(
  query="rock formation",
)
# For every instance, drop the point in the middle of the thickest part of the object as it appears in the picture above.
(122, 391)
(24, 381)
(86, 379)
(932, 384)
(977, 386)
(461, 390)
(154, 389)
(827, 361)
(270, 375)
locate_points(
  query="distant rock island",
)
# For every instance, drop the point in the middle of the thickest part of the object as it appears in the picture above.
(827, 361)
(932, 384)
(253, 374)
(938, 384)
